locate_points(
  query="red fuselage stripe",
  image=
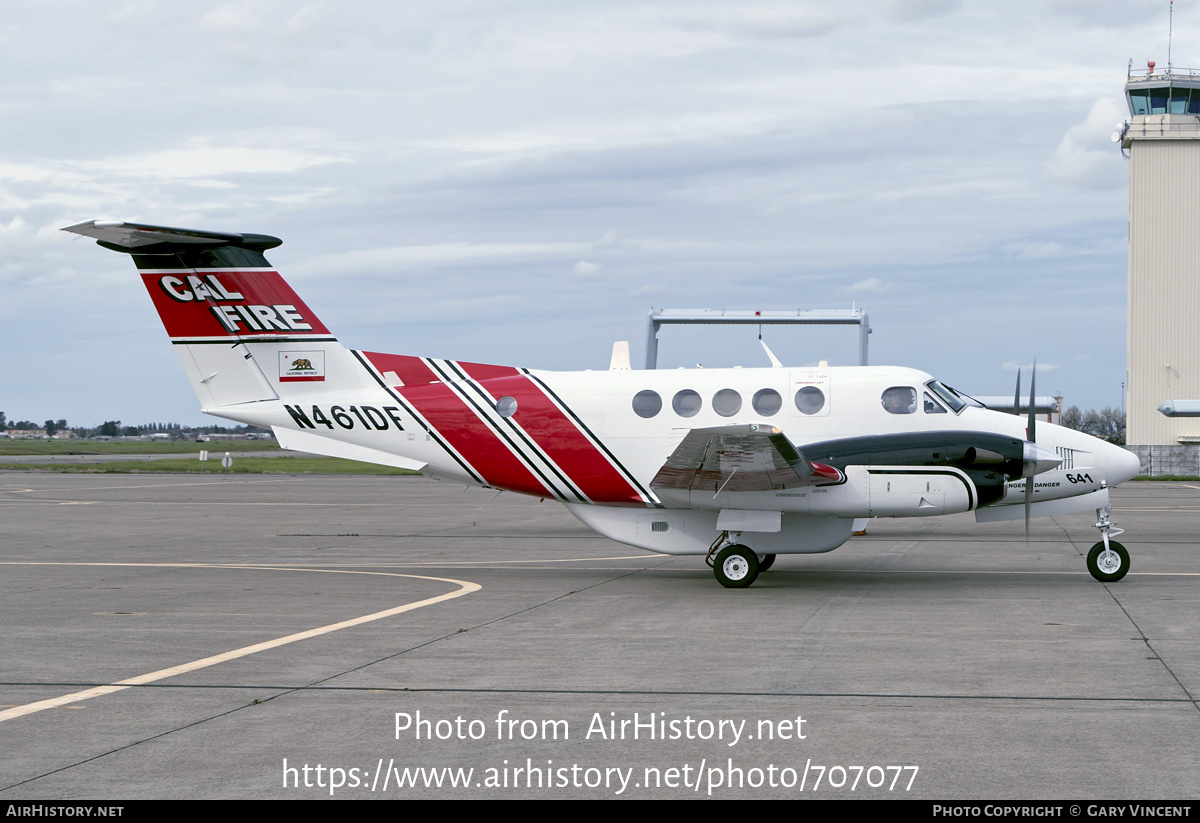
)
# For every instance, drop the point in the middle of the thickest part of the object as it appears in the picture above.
(458, 425)
(559, 438)
(412, 371)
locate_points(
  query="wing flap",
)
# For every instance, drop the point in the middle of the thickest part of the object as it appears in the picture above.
(740, 458)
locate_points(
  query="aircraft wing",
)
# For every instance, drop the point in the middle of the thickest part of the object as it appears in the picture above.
(740, 458)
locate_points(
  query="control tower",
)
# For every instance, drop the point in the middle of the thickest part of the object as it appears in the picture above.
(1163, 344)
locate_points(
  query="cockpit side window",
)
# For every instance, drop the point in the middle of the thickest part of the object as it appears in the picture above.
(899, 400)
(956, 400)
(932, 406)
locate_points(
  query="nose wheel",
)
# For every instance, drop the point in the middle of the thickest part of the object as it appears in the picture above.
(1107, 561)
(1108, 564)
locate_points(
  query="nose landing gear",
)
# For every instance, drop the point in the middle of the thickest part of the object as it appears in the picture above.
(1108, 561)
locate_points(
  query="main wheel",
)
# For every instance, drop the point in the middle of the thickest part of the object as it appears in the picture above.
(736, 566)
(765, 561)
(1108, 566)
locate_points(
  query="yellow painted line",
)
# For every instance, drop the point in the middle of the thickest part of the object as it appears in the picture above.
(489, 563)
(466, 587)
(158, 485)
(27, 502)
(1160, 508)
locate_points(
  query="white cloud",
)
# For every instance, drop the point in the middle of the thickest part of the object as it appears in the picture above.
(649, 290)
(586, 270)
(872, 285)
(1086, 155)
(439, 255)
(202, 159)
(1027, 368)
(229, 17)
(611, 240)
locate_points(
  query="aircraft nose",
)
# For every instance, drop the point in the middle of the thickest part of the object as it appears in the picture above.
(1122, 465)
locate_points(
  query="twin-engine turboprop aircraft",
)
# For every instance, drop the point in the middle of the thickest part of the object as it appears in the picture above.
(737, 465)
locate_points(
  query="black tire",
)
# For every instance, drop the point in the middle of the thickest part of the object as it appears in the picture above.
(736, 566)
(765, 561)
(1108, 573)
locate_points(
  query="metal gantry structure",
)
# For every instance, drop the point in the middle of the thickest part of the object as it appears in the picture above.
(792, 317)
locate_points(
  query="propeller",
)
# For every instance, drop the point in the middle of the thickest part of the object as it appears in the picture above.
(1030, 435)
(1035, 459)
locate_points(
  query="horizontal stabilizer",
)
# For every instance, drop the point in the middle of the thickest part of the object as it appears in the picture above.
(740, 458)
(139, 238)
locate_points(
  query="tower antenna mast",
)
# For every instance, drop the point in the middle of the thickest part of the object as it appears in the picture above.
(1170, 31)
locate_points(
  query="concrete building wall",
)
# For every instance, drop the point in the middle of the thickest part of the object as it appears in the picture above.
(1163, 356)
(1162, 460)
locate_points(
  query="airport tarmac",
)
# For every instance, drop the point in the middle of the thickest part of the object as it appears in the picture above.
(172, 636)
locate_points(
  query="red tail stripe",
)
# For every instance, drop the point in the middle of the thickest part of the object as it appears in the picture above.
(185, 300)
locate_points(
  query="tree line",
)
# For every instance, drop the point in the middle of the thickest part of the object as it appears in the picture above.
(115, 428)
(1107, 424)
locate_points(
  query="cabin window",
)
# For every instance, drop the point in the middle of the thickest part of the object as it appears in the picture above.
(686, 403)
(647, 403)
(932, 406)
(506, 406)
(767, 402)
(727, 402)
(810, 400)
(899, 400)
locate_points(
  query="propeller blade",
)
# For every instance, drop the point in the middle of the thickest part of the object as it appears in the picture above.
(1032, 409)
(1028, 506)
(1017, 394)
(1031, 436)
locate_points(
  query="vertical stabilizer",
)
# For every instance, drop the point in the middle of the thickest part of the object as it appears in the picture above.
(242, 334)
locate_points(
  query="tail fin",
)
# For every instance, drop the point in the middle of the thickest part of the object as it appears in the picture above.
(242, 334)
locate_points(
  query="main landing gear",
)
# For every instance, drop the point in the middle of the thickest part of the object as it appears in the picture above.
(1108, 561)
(736, 566)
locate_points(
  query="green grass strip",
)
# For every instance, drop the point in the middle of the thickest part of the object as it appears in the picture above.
(241, 465)
(85, 447)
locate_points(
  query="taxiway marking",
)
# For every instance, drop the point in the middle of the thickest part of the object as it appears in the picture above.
(465, 587)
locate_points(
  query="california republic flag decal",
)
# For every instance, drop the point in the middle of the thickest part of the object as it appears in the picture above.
(301, 366)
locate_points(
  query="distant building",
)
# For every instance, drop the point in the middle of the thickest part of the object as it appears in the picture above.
(1163, 344)
(38, 434)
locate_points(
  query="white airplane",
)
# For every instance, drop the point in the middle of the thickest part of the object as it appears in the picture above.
(737, 465)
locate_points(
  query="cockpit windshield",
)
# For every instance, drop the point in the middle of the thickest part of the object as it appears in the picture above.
(954, 399)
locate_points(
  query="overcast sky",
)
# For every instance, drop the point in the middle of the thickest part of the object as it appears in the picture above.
(520, 182)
